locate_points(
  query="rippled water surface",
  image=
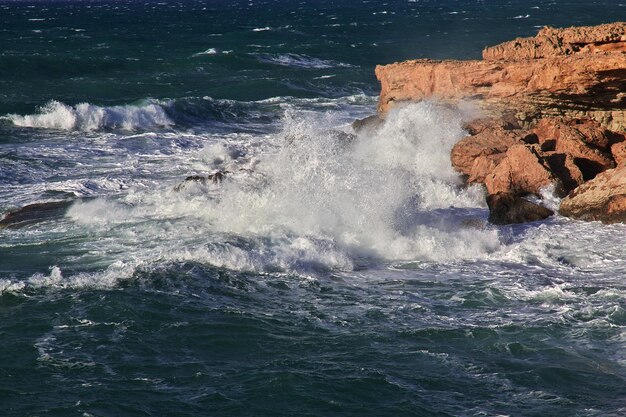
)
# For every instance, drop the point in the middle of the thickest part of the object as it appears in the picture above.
(329, 273)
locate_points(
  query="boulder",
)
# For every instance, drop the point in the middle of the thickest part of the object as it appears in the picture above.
(215, 178)
(522, 171)
(586, 141)
(618, 150)
(490, 143)
(483, 166)
(370, 123)
(552, 129)
(602, 198)
(508, 208)
(564, 168)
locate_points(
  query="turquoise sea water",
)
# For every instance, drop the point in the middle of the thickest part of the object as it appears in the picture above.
(327, 275)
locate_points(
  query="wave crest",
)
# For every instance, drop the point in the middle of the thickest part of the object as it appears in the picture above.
(89, 117)
(299, 61)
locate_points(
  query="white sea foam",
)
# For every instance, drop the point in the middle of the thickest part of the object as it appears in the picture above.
(299, 61)
(89, 117)
(210, 51)
(312, 198)
(107, 278)
(306, 199)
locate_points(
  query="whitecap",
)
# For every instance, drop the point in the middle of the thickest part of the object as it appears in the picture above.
(299, 61)
(210, 51)
(89, 117)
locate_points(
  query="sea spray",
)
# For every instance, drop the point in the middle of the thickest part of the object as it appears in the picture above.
(313, 196)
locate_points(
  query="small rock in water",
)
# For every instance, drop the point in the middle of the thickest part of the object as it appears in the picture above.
(368, 124)
(508, 208)
(215, 178)
(34, 213)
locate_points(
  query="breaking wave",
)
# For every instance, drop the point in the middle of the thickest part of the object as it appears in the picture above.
(89, 117)
(310, 197)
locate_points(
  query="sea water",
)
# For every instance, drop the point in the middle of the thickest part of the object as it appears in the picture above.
(329, 273)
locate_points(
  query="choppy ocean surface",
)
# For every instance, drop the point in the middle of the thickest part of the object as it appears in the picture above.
(327, 275)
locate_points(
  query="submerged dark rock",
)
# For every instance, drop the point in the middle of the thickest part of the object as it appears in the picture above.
(214, 178)
(34, 213)
(508, 208)
(369, 123)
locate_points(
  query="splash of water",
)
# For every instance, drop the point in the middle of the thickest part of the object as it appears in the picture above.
(316, 196)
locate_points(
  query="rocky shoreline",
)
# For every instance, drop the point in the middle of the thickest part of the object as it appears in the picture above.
(553, 115)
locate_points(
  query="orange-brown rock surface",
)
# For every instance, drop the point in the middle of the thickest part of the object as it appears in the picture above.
(473, 154)
(575, 72)
(560, 152)
(558, 42)
(523, 170)
(603, 198)
(585, 141)
(553, 115)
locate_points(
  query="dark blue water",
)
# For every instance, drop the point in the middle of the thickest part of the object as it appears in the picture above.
(327, 274)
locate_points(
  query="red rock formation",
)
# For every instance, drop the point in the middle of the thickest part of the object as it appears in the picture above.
(572, 151)
(618, 150)
(523, 170)
(585, 141)
(551, 42)
(489, 144)
(561, 72)
(603, 198)
(587, 131)
(568, 86)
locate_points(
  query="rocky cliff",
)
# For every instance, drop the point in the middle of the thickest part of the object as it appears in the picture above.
(575, 73)
(554, 115)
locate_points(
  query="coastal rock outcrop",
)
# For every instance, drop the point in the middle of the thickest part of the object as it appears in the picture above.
(602, 198)
(215, 178)
(557, 152)
(553, 115)
(574, 72)
(551, 42)
(477, 155)
(523, 170)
